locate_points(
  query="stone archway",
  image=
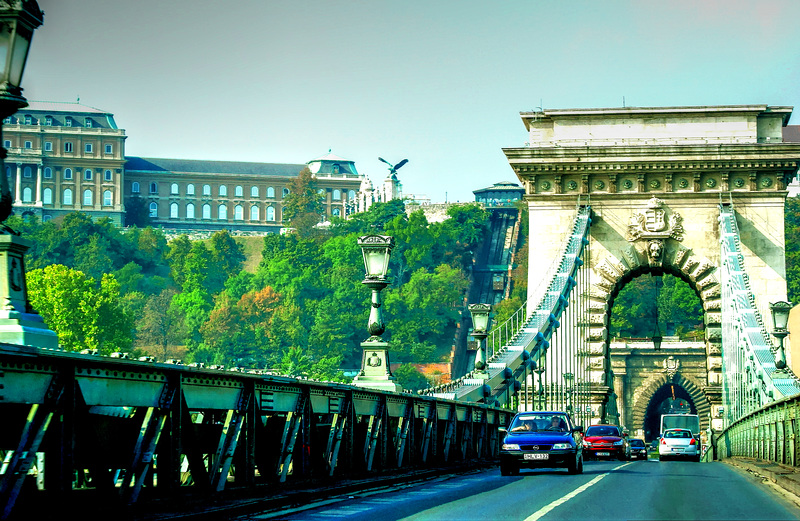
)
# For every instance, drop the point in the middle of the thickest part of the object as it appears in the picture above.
(643, 397)
(656, 250)
(655, 179)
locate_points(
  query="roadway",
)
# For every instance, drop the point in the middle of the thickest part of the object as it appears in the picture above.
(613, 490)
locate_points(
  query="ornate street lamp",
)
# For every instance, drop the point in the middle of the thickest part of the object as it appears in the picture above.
(18, 20)
(657, 338)
(375, 371)
(19, 323)
(780, 320)
(480, 330)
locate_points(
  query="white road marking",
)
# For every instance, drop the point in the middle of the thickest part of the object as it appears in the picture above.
(342, 511)
(560, 501)
(389, 500)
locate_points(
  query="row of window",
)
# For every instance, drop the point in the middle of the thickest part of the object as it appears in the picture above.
(49, 121)
(48, 146)
(88, 175)
(222, 191)
(222, 212)
(66, 199)
(336, 195)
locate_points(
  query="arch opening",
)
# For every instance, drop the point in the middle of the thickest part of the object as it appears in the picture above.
(670, 398)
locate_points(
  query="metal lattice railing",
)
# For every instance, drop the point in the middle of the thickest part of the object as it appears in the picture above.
(520, 346)
(750, 377)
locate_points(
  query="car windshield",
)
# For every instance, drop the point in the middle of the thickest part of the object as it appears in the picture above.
(637, 443)
(540, 422)
(604, 430)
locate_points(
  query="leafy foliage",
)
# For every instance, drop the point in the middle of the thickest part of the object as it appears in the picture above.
(84, 314)
(303, 208)
(677, 306)
(303, 312)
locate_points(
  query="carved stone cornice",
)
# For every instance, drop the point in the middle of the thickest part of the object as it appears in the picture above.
(672, 167)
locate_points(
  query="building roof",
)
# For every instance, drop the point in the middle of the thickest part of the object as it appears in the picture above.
(59, 106)
(503, 186)
(199, 166)
(331, 164)
(530, 119)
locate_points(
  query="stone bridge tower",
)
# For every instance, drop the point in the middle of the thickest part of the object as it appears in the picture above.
(655, 178)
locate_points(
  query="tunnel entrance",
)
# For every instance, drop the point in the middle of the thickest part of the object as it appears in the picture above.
(670, 398)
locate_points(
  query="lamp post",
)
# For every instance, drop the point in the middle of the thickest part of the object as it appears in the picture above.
(19, 323)
(375, 371)
(480, 330)
(657, 338)
(780, 320)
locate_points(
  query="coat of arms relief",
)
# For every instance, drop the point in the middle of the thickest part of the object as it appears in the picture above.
(655, 224)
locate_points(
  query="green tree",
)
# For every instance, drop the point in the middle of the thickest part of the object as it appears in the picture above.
(423, 313)
(161, 326)
(410, 378)
(85, 315)
(792, 241)
(177, 251)
(137, 212)
(297, 362)
(303, 208)
(225, 259)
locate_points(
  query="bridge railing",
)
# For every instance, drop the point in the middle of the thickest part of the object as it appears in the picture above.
(541, 298)
(525, 337)
(750, 376)
(121, 430)
(771, 433)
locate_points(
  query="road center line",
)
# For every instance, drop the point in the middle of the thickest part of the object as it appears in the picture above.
(560, 501)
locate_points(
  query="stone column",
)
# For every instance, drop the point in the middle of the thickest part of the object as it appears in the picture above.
(39, 185)
(18, 185)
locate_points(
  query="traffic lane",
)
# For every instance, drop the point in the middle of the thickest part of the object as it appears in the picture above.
(480, 496)
(677, 490)
(644, 490)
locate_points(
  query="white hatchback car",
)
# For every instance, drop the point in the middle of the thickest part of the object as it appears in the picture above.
(678, 443)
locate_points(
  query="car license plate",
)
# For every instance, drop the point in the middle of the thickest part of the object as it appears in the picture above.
(604, 454)
(535, 456)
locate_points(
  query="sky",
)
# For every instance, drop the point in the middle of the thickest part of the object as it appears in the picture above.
(440, 83)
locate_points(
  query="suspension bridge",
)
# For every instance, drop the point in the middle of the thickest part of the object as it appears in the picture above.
(613, 194)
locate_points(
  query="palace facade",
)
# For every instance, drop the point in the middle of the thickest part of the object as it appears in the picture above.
(196, 195)
(65, 157)
(70, 157)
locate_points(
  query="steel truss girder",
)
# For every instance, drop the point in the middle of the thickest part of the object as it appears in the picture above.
(21, 462)
(116, 417)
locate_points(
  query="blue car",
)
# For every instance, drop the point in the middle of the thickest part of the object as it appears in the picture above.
(541, 440)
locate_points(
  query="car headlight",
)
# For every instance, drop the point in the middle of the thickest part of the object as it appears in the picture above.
(618, 443)
(510, 446)
(561, 446)
(587, 444)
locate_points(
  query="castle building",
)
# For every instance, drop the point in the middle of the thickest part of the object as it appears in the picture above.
(65, 157)
(70, 157)
(189, 195)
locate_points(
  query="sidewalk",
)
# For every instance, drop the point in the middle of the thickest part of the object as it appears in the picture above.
(784, 476)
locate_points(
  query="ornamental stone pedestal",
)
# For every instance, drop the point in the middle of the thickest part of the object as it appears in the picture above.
(375, 372)
(19, 323)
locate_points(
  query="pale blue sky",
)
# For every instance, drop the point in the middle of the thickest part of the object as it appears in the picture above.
(438, 82)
